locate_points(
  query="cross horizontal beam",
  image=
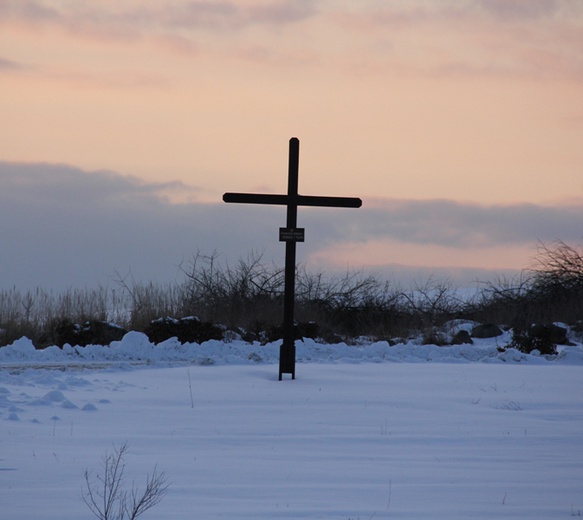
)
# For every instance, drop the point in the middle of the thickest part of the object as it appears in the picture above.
(296, 200)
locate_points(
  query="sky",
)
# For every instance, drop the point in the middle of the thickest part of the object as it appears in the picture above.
(122, 122)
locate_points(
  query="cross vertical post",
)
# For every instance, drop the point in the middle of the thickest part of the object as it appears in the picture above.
(290, 235)
(287, 351)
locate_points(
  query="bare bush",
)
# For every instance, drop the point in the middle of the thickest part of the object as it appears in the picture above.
(558, 267)
(353, 304)
(250, 295)
(433, 303)
(551, 289)
(106, 496)
(557, 284)
(247, 298)
(503, 301)
(353, 289)
(235, 296)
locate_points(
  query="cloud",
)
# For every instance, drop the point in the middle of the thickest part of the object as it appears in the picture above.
(482, 38)
(522, 9)
(165, 15)
(452, 224)
(231, 15)
(29, 10)
(65, 227)
(445, 224)
(182, 27)
(415, 12)
(74, 188)
(9, 65)
(286, 12)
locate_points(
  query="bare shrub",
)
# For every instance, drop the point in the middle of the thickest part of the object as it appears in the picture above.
(558, 267)
(551, 289)
(506, 300)
(433, 303)
(250, 295)
(247, 298)
(353, 304)
(557, 282)
(106, 496)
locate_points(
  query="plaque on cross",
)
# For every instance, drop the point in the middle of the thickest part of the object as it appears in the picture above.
(290, 235)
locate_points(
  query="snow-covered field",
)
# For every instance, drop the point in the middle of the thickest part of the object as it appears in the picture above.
(370, 431)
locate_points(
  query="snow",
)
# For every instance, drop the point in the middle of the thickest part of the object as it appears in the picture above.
(370, 431)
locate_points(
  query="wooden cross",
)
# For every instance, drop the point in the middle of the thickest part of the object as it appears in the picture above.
(290, 235)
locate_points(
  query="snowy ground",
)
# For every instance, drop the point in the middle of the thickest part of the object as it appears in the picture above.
(373, 431)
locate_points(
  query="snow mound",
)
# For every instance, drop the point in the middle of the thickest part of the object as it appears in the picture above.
(571, 356)
(136, 349)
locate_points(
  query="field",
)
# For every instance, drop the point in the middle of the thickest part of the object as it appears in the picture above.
(371, 431)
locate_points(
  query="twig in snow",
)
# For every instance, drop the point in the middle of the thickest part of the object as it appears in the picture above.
(190, 388)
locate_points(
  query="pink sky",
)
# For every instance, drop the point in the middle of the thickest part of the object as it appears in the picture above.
(479, 102)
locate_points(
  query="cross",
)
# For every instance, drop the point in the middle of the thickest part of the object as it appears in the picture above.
(290, 235)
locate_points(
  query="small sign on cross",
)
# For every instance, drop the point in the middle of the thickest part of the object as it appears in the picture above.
(291, 234)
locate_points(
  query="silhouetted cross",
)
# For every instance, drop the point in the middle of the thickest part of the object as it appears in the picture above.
(290, 235)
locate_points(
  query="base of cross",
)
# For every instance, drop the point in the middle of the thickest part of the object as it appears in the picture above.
(287, 360)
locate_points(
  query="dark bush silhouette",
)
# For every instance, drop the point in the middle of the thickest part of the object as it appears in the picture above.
(537, 337)
(186, 330)
(93, 332)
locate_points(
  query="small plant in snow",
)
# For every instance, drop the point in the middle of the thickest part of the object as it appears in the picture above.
(105, 494)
